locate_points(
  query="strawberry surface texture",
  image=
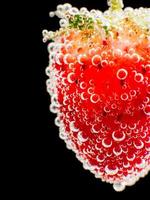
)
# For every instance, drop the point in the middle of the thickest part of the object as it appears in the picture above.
(99, 83)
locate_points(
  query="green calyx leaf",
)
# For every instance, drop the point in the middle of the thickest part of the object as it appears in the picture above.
(115, 4)
(81, 22)
(106, 29)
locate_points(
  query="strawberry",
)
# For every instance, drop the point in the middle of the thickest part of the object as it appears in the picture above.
(99, 82)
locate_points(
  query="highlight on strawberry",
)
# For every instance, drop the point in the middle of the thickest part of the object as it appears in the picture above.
(99, 83)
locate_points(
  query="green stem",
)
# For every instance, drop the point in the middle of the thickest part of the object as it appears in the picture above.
(115, 4)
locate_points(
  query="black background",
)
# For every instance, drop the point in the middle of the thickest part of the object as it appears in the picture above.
(53, 169)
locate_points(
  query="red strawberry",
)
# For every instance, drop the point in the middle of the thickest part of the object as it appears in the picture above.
(99, 82)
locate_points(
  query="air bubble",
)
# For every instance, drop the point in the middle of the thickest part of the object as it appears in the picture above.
(70, 145)
(104, 63)
(106, 142)
(94, 98)
(141, 106)
(63, 135)
(92, 52)
(119, 187)
(47, 71)
(82, 59)
(67, 6)
(64, 81)
(118, 52)
(130, 157)
(100, 158)
(91, 82)
(147, 148)
(114, 106)
(48, 82)
(131, 180)
(126, 164)
(132, 93)
(118, 136)
(54, 108)
(83, 85)
(148, 89)
(147, 110)
(81, 138)
(68, 58)
(81, 74)
(135, 57)
(103, 130)
(90, 90)
(96, 60)
(140, 163)
(51, 14)
(146, 100)
(72, 127)
(111, 63)
(132, 126)
(83, 10)
(51, 56)
(50, 47)
(138, 77)
(60, 7)
(44, 32)
(117, 150)
(124, 96)
(69, 47)
(111, 170)
(123, 125)
(71, 77)
(122, 74)
(97, 147)
(84, 96)
(138, 144)
(57, 121)
(59, 58)
(73, 11)
(106, 109)
(95, 128)
(54, 99)
(131, 51)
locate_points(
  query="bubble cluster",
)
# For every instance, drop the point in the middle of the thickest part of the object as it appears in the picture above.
(99, 83)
